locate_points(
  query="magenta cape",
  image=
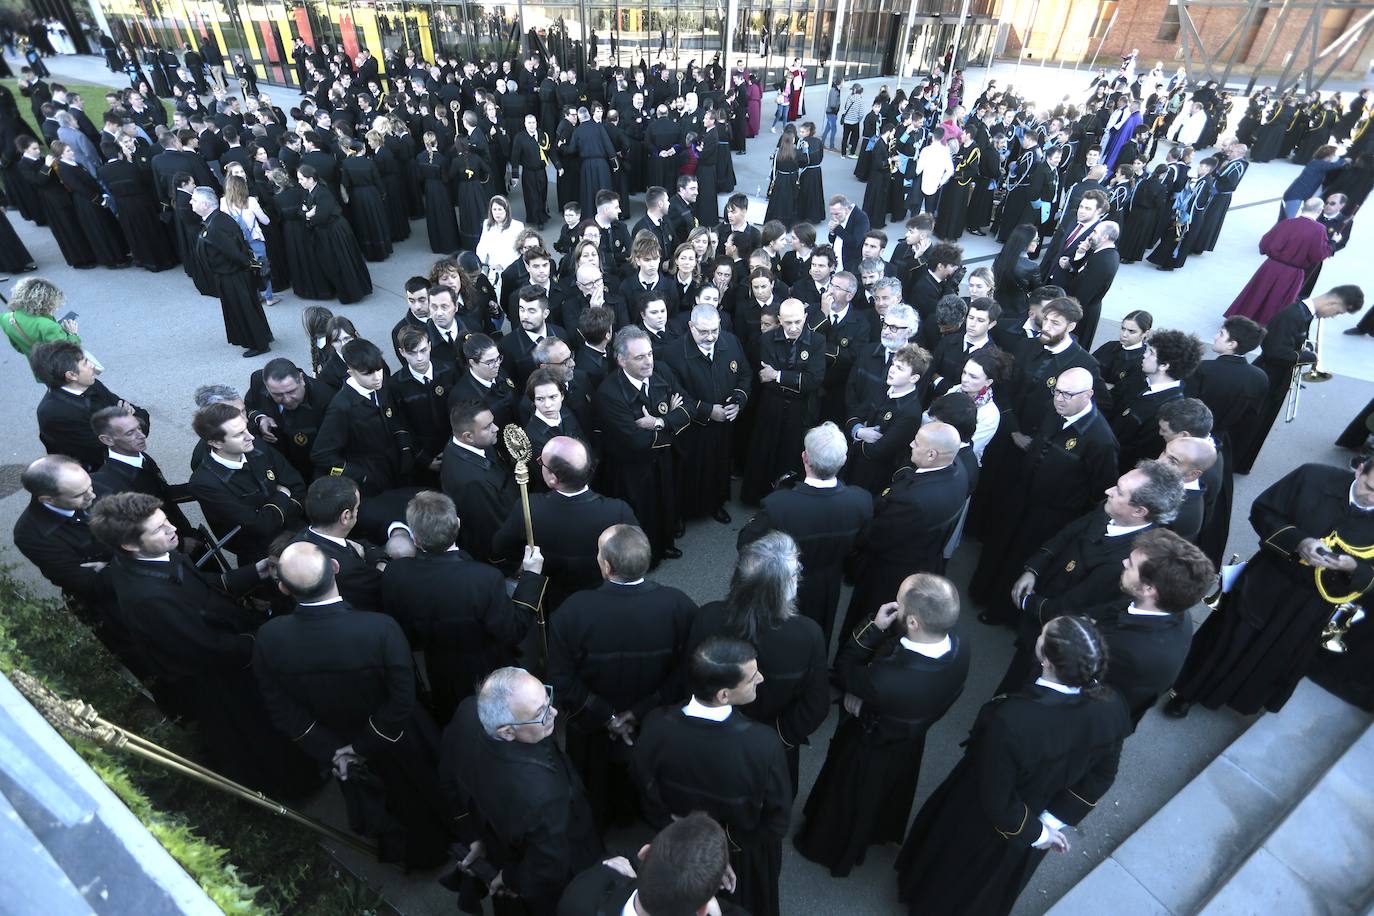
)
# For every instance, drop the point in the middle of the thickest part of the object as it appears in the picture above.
(1290, 248)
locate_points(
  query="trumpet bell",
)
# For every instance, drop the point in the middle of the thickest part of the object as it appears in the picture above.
(1316, 375)
(1335, 644)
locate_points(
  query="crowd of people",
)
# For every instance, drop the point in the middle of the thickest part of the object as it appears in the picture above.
(877, 407)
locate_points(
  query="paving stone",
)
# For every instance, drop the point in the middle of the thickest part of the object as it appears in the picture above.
(1266, 885)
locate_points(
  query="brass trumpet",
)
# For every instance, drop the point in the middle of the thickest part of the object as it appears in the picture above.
(1315, 373)
(1213, 601)
(1333, 634)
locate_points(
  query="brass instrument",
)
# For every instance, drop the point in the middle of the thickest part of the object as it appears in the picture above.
(1315, 373)
(518, 444)
(1342, 619)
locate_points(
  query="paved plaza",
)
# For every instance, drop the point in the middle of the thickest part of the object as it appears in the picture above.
(159, 340)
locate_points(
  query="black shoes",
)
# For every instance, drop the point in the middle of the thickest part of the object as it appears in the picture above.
(671, 553)
(1177, 707)
(249, 354)
(721, 516)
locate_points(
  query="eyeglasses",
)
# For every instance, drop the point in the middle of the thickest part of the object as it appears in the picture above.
(490, 363)
(1066, 395)
(896, 327)
(544, 716)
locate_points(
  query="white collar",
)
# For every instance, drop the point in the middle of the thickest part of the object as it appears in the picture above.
(70, 390)
(328, 537)
(474, 450)
(351, 382)
(243, 460)
(1356, 505)
(639, 581)
(1068, 421)
(551, 424)
(571, 495)
(1157, 387)
(701, 711)
(65, 513)
(1115, 531)
(1053, 685)
(1133, 346)
(928, 470)
(977, 345)
(629, 908)
(427, 377)
(161, 558)
(481, 381)
(1192, 484)
(636, 384)
(131, 460)
(448, 335)
(929, 649)
(337, 599)
(820, 484)
(536, 336)
(1061, 346)
(1145, 612)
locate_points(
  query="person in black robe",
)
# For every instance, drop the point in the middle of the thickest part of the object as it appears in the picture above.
(1227, 179)
(716, 379)
(455, 609)
(136, 208)
(707, 206)
(1170, 358)
(1150, 207)
(791, 371)
(197, 642)
(868, 134)
(882, 429)
(825, 519)
(725, 162)
(513, 797)
(129, 467)
(911, 523)
(782, 183)
(433, 168)
(880, 177)
(662, 144)
(341, 683)
(332, 243)
(394, 185)
(794, 698)
(641, 412)
(226, 268)
(93, 218)
(900, 673)
(1316, 529)
(367, 212)
(473, 475)
(656, 881)
(1024, 184)
(613, 657)
(811, 205)
(471, 175)
(362, 436)
(1035, 761)
(14, 257)
(704, 757)
(952, 213)
(530, 154)
(1269, 137)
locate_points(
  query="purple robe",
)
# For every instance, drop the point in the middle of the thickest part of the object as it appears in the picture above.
(1291, 248)
(1119, 138)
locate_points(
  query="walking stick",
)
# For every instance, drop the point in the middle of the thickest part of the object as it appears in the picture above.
(76, 717)
(518, 444)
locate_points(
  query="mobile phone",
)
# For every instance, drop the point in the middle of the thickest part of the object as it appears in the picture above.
(70, 316)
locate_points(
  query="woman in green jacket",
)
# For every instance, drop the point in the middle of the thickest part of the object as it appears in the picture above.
(34, 302)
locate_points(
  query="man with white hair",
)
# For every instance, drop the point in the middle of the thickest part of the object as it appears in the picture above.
(512, 793)
(898, 325)
(823, 516)
(1094, 267)
(224, 269)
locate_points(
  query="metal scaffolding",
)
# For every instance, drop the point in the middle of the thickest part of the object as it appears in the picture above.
(1203, 64)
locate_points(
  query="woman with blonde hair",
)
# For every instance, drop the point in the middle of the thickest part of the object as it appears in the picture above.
(703, 242)
(30, 321)
(248, 213)
(496, 247)
(685, 271)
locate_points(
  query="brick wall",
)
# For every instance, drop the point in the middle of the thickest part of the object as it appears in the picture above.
(1059, 27)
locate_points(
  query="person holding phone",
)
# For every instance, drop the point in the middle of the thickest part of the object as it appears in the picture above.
(30, 320)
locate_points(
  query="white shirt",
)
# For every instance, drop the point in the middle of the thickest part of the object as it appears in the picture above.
(475, 451)
(426, 377)
(497, 246)
(701, 711)
(65, 513)
(368, 395)
(989, 418)
(237, 466)
(133, 460)
(1144, 612)
(1061, 346)
(636, 384)
(629, 908)
(1054, 685)
(1076, 417)
(1157, 387)
(328, 537)
(935, 166)
(547, 422)
(929, 649)
(823, 484)
(571, 495)
(1115, 531)
(479, 380)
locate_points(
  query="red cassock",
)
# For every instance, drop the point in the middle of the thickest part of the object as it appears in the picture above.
(1290, 248)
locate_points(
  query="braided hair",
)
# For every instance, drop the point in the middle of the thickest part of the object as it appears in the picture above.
(1078, 653)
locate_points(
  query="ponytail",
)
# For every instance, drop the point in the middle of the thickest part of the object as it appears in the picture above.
(1078, 653)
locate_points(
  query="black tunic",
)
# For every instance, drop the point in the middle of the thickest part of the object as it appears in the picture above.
(872, 464)
(440, 221)
(367, 211)
(864, 792)
(64, 422)
(308, 279)
(249, 501)
(1146, 652)
(333, 677)
(707, 207)
(614, 650)
(334, 247)
(138, 214)
(483, 490)
(736, 772)
(970, 848)
(295, 428)
(786, 408)
(225, 264)
(1250, 653)
(457, 612)
(74, 218)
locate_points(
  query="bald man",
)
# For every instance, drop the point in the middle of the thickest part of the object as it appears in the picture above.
(1069, 461)
(911, 521)
(1192, 458)
(567, 521)
(341, 684)
(790, 375)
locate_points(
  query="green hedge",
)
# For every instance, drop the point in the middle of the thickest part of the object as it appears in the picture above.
(246, 859)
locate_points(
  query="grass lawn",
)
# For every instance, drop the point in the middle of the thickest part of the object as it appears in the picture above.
(92, 95)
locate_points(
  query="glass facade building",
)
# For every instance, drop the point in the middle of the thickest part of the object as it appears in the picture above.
(864, 37)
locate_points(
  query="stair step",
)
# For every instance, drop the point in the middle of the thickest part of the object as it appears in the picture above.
(1223, 815)
(1317, 860)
